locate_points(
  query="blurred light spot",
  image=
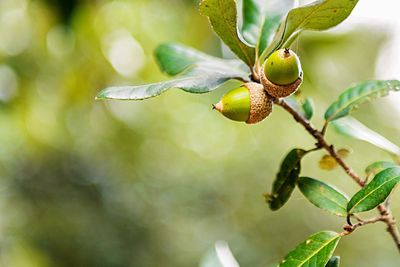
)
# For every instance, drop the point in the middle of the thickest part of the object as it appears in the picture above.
(8, 83)
(210, 139)
(15, 32)
(225, 255)
(126, 112)
(123, 52)
(41, 123)
(60, 41)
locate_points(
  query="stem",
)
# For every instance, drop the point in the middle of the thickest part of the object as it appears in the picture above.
(385, 212)
(348, 229)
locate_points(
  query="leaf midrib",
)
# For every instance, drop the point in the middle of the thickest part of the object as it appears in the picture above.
(362, 199)
(326, 196)
(319, 250)
(159, 83)
(353, 100)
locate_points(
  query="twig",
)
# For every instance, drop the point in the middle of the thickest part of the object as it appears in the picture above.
(348, 228)
(385, 212)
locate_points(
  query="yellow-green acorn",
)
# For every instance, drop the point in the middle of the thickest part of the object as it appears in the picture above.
(248, 103)
(281, 74)
(283, 67)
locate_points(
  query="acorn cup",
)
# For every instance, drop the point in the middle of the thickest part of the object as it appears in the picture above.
(281, 74)
(248, 103)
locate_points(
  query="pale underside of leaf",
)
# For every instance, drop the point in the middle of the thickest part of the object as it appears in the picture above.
(199, 73)
(175, 58)
(350, 127)
(201, 83)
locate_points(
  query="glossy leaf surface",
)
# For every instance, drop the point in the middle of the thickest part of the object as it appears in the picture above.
(375, 192)
(175, 58)
(315, 251)
(323, 196)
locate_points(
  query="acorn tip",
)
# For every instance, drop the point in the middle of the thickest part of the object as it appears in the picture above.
(217, 106)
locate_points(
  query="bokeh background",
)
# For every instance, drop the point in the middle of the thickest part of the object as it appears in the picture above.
(158, 182)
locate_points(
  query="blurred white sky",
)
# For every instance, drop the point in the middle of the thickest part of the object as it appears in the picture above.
(385, 15)
(382, 14)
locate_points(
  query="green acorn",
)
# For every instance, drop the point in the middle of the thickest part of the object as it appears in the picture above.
(248, 103)
(282, 67)
(281, 74)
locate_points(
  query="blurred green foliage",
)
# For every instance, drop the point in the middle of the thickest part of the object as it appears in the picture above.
(156, 183)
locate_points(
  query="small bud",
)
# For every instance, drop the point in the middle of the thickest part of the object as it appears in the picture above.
(281, 74)
(343, 152)
(327, 162)
(248, 103)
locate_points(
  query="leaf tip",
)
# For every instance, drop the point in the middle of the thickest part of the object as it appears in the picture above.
(101, 95)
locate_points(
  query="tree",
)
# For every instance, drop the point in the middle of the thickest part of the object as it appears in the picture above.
(264, 31)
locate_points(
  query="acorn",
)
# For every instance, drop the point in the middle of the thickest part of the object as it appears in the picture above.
(281, 74)
(248, 103)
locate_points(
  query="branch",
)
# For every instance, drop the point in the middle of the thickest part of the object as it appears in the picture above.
(385, 212)
(348, 229)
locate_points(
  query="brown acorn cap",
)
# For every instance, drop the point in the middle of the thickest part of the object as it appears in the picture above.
(279, 91)
(260, 103)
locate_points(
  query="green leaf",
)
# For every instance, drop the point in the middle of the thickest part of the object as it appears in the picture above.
(200, 79)
(305, 109)
(295, 104)
(323, 196)
(286, 179)
(351, 127)
(319, 15)
(315, 251)
(354, 96)
(176, 58)
(308, 107)
(198, 73)
(378, 166)
(253, 14)
(333, 262)
(223, 18)
(274, 13)
(268, 31)
(375, 192)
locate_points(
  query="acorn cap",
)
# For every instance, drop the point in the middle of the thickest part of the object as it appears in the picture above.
(248, 103)
(279, 91)
(260, 103)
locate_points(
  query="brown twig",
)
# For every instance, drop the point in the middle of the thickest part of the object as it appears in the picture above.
(349, 228)
(385, 212)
